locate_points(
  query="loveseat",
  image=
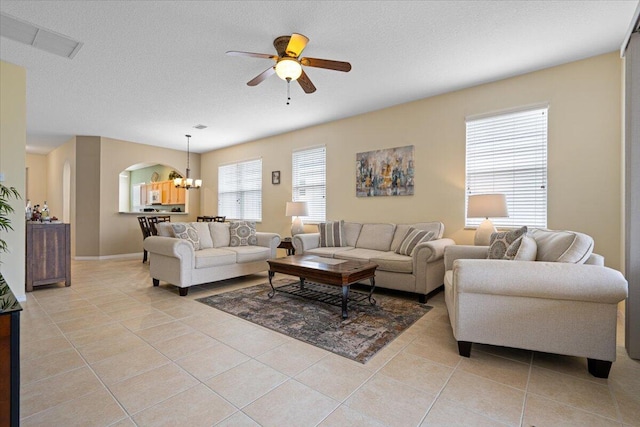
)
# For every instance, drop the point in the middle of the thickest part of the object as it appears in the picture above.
(188, 254)
(418, 269)
(550, 294)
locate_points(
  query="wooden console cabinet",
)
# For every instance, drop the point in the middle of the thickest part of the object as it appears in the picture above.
(48, 254)
(9, 357)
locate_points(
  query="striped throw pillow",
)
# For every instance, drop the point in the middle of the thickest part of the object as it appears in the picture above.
(331, 234)
(411, 240)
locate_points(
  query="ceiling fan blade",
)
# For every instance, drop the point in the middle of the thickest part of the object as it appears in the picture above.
(296, 45)
(262, 76)
(251, 54)
(326, 63)
(305, 83)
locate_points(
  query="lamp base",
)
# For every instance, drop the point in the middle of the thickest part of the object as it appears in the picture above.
(483, 233)
(297, 227)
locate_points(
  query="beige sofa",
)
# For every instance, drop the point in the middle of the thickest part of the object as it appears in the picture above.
(174, 260)
(564, 302)
(420, 273)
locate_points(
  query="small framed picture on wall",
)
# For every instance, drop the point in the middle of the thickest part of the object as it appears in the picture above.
(275, 177)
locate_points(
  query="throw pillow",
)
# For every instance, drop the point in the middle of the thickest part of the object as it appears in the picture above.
(331, 234)
(242, 233)
(524, 248)
(186, 232)
(499, 242)
(411, 240)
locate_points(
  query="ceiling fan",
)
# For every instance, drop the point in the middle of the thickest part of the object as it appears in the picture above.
(288, 64)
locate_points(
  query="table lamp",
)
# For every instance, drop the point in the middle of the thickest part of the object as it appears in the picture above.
(486, 205)
(297, 209)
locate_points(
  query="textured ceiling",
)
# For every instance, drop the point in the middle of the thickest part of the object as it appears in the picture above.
(151, 70)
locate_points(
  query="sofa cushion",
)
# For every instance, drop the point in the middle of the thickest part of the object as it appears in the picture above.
(399, 235)
(358, 254)
(524, 248)
(499, 242)
(202, 228)
(351, 232)
(412, 239)
(219, 233)
(242, 233)
(187, 232)
(376, 236)
(164, 229)
(214, 257)
(331, 234)
(250, 253)
(392, 261)
(327, 252)
(562, 246)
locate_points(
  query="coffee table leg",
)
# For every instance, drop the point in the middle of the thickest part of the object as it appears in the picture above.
(272, 292)
(302, 283)
(345, 297)
(372, 300)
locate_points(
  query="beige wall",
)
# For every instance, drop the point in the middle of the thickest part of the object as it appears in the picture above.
(584, 154)
(37, 179)
(56, 159)
(13, 131)
(87, 195)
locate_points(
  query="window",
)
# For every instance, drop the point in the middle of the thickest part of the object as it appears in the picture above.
(240, 190)
(507, 154)
(310, 181)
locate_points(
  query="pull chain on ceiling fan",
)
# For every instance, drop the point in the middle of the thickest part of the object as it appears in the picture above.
(289, 65)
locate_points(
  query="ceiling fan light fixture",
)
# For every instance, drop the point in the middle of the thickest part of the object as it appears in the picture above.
(288, 69)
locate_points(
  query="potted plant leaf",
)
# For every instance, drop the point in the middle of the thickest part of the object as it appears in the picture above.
(6, 301)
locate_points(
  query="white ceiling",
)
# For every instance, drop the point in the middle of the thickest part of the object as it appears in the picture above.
(151, 70)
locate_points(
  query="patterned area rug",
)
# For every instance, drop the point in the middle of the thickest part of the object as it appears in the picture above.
(368, 329)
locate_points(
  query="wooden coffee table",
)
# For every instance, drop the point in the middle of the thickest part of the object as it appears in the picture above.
(327, 271)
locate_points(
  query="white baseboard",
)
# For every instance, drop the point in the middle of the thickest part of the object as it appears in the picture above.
(106, 257)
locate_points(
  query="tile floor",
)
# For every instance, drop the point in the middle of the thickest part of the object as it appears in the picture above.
(111, 350)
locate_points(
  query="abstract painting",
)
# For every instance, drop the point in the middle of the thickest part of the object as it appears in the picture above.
(387, 172)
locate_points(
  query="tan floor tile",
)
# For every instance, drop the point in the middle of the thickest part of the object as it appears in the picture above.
(197, 406)
(232, 327)
(155, 318)
(147, 389)
(335, 377)
(582, 394)
(95, 409)
(212, 318)
(445, 413)
(247, 382)
(186, 308)
(517, 354)
(292, 357)
(568, 365)
(88, 336)
(238, 420)
(291, 404)
(62, 305)
(75, 313)
(41, 395)
(383, 357)
(111, 346)
(256, 342)
(39, 331)
(211, 361)
(131, 311)
(111, 306)
(53, 364)
(97, 319)
(417, 372)
(504, 371)
(96, 297)
(128, 364)
(127, 422)
(488, 398)
(442, 351)
(184, 345)
(41, 348)
(544, 412)
(629, 406)
(164, 332)
(345, 416)
(406, 407)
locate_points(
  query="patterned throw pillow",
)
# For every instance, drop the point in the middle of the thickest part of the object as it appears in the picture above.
(186, 232)
(242, 233)
(331, 234)
(411, 240)
(524, 248)
(500, 242)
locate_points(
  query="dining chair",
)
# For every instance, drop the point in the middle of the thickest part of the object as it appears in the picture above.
(153, 220)
(146, 232)
(219, 218)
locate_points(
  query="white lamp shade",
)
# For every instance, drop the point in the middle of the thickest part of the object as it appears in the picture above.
(288, 68)
(297, 209)
(487, 206)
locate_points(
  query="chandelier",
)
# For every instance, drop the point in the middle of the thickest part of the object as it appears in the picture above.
(187, 183)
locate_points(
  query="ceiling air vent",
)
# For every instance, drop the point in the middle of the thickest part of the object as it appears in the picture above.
(200, 127)
(41, 38)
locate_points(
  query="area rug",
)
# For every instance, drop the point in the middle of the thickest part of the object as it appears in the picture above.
(367, 330)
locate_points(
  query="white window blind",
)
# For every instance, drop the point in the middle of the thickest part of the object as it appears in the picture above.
(507, 154)
(310, 181)
(240, 190)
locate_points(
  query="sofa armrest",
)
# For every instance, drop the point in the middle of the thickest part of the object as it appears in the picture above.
(268, 240)
(455, 252)
(432, 250)
(305, 242)
(537, 279)
(171, 247)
